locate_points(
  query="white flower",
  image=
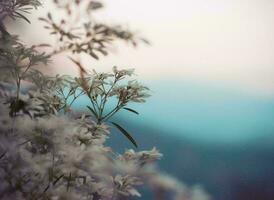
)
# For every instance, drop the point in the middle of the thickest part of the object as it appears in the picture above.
(124, 185)
(142, 157)
(120, 74)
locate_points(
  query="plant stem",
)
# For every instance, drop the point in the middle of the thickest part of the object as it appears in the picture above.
(18, 89)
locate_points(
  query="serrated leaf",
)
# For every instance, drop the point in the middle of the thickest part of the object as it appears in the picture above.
(125, 133)
(131, 110)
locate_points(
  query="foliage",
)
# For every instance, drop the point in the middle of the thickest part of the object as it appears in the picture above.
(47, 150)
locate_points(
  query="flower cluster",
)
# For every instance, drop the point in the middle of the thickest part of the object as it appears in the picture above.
(132, 92)
(49, 156)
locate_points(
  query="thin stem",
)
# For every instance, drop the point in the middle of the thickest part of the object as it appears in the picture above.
(18, 89)
(27, 68)
(111, 114)
(92, 103)
(115, 110)
(18, 82)
(104, 100)
(75, 97)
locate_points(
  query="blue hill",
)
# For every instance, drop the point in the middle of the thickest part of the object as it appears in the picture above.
(221, 138)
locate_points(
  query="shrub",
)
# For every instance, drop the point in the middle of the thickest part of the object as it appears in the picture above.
(49, 151)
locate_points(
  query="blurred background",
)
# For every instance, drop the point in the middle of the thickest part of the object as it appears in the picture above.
(210, 69)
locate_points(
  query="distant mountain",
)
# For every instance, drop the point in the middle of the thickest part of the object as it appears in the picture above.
(227, 172)
(221, 138)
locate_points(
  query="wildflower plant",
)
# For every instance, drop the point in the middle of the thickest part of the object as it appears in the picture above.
(47, 151)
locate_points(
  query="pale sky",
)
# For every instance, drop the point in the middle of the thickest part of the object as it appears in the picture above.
(221, 43)
(228, 42)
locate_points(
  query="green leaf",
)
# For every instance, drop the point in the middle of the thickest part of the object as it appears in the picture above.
(131, 110)
(93, 111)
(17, 14)
(22, 16)
(125, 133)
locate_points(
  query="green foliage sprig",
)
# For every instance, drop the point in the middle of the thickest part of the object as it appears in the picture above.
(73, 34)
(90, 37)
(60, 92)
